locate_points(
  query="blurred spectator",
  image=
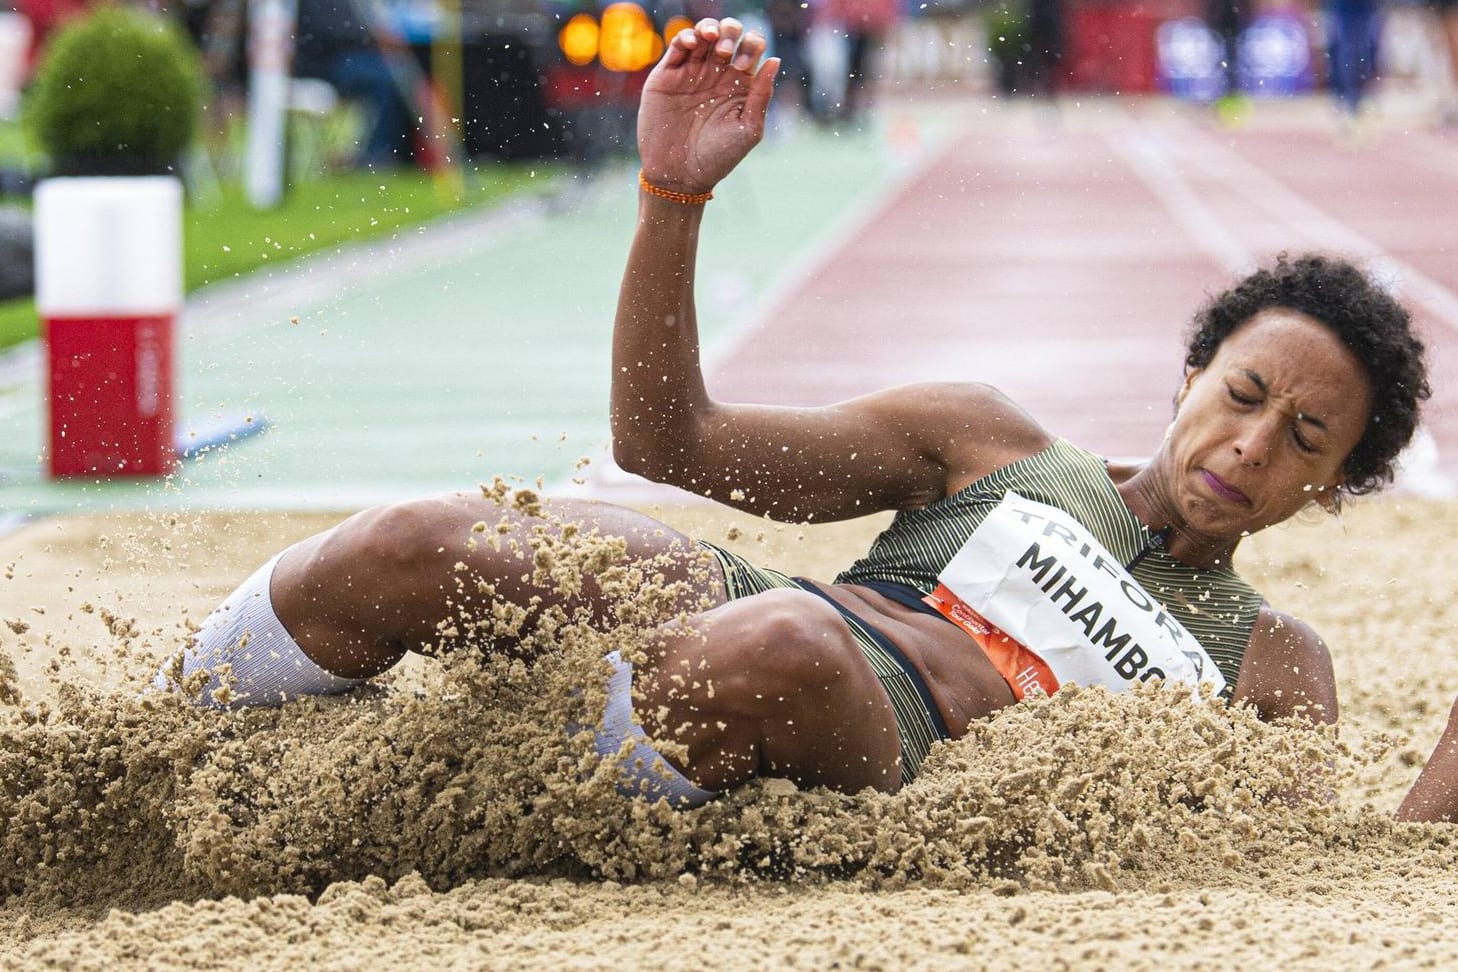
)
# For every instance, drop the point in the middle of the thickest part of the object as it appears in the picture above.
(866, 24)
(1228, 18)
(1445, 18)
(340, 42)
(216, 27)
(1045, 46)
(15, 35)
(789, 22)
(1351, 28)
(218, 31)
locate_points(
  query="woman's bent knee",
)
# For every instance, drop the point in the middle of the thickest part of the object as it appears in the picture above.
(244, 654)
(400, 539)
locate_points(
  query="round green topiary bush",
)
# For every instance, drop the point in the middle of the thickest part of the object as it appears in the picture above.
(119, 93)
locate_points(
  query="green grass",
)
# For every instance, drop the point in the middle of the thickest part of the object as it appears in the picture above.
(17, 321)
(225, 237)
(16, 147)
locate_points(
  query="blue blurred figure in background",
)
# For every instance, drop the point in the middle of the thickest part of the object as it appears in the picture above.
(339, 42)
(1228, 19)
(1351, 27)
(789, 22)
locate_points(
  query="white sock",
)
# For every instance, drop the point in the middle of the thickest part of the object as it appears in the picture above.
(645, 772)
(252, 659)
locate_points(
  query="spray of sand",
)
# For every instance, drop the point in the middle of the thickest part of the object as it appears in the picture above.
(476, 773)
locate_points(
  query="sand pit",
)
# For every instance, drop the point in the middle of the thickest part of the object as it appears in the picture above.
(443, 820)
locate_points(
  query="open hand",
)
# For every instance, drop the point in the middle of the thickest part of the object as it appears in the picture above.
(704, 105)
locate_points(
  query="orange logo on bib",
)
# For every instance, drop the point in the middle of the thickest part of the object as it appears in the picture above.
(1020, 668)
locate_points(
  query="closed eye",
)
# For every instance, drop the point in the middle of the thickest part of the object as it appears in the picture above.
(1241, 399)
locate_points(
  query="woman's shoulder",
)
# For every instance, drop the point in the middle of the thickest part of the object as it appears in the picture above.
(1287, 670)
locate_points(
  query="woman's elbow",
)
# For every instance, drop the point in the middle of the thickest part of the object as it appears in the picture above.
(632, 457)
(649, 459)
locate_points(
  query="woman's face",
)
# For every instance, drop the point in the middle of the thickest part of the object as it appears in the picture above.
(1265, 428)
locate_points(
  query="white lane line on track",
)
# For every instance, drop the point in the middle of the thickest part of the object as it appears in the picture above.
(1304, 217)
(1148, 160)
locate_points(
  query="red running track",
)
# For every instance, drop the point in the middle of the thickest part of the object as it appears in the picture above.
(1059, 254)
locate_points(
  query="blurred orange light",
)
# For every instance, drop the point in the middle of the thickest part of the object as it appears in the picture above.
(628, 42)
(578, 39)
(674, 25)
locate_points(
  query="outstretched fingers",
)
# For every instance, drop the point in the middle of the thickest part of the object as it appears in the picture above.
(725, 42)
(704, 105)
(692, 43)
(751, 48)
(729, 33)
(761, 90)
(682, 47)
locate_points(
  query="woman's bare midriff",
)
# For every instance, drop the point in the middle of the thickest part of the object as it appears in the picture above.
(961, 679)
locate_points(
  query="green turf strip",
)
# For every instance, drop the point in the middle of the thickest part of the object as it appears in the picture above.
(225, 237)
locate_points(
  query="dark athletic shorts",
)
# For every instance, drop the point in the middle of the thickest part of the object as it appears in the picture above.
(918, 722)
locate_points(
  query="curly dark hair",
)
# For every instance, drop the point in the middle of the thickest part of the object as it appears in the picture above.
(1366, 318)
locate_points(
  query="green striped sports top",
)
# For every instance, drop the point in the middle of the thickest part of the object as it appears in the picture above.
(1216, 605)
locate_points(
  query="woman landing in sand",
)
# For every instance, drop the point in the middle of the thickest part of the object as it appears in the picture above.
(1016, 560)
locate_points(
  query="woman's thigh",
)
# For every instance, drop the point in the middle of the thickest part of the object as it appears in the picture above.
(771, 685)
(412, 575)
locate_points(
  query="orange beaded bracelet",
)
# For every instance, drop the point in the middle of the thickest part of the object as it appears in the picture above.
(687, 198)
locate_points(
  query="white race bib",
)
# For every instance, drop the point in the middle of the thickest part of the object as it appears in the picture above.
(1062, 608)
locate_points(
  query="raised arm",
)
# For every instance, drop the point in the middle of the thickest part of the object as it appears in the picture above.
(703, 110)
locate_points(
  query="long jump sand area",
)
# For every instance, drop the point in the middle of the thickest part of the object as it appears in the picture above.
(1080, 833)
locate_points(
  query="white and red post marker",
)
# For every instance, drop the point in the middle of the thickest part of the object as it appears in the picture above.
(108, 260)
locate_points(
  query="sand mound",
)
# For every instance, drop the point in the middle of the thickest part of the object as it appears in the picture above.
(448, 814)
